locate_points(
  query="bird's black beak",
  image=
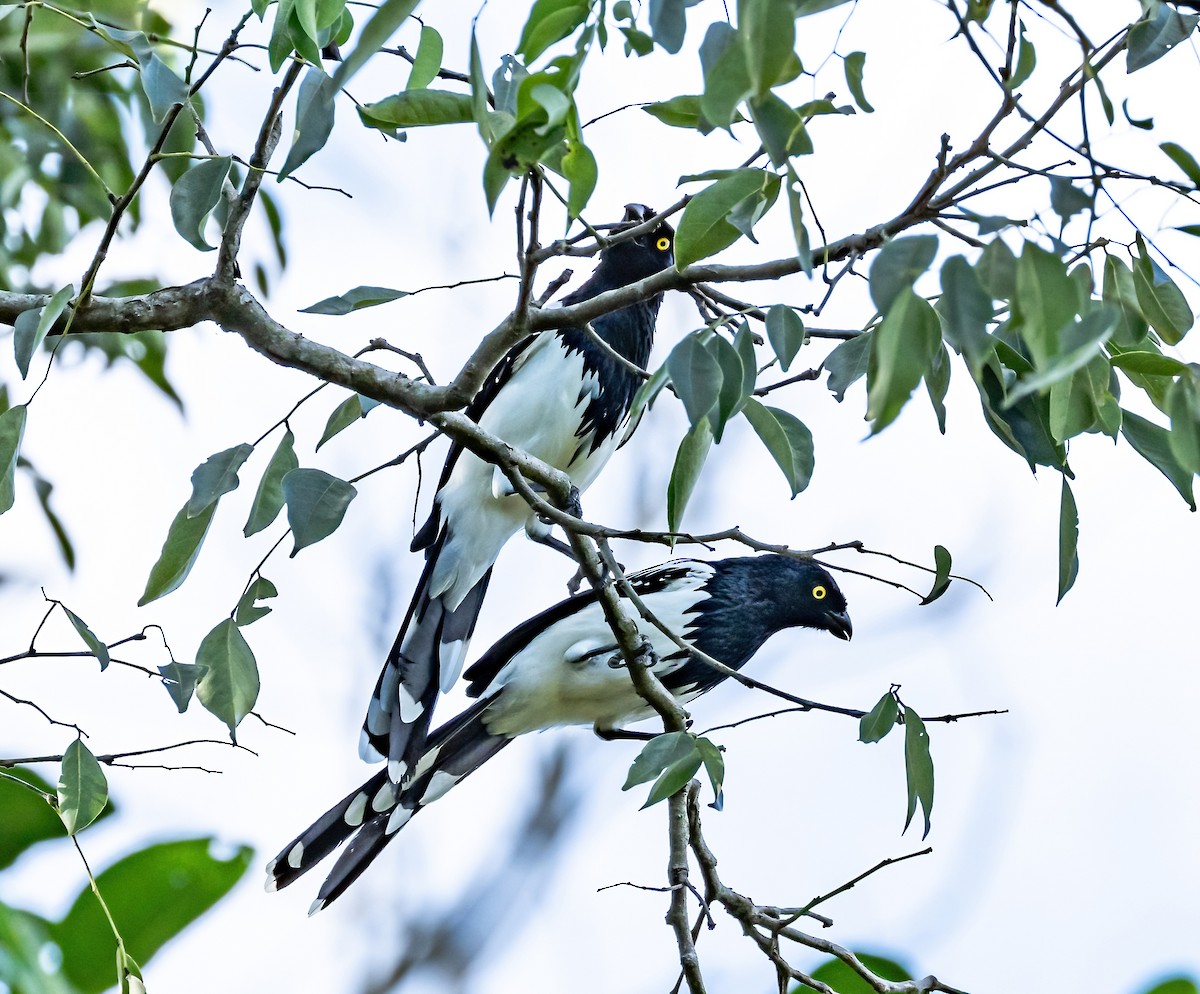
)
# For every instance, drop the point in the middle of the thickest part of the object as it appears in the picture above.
(838, 622)
(637, 213)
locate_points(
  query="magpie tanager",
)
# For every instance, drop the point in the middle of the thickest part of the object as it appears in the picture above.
(563, 667)
(560, 397)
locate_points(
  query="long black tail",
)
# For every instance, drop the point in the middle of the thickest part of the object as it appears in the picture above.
(427, 655)
(372, 815)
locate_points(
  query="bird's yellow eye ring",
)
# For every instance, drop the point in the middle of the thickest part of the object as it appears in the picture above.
(819, 592)
(663, 243)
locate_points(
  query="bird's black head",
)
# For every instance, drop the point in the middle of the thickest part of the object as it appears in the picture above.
(647, 254)
(819, 601)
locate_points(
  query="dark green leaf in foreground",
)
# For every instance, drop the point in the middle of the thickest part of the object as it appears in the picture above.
(229, 685)
(268, 500)
(848, 363)
(418, 109)
(354, 300)
(316, 504)
(897, 267)
(32, 326)
(178, 555)
(854, 79)
(785, 332)
(353, 408)
(314, 118)
(842, 978)
(1183, 405)
(696, 376)
(705, 228)
(880, 720)
(248, 609)
(28, 817)
(153, 895)
(659, 753)
(902, 353)
(787, 439)
(918, 766)
(82, 788)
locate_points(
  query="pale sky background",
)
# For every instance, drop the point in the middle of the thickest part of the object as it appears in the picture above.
(1064, 833)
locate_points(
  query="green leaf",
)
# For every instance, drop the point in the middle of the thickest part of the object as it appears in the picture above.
(785, 332)
(353, 408)
(1046, 301)
(902, 353)
(714, 766)
(418, 109)
(32, 326)
(1153, 444)
(854, 63)
(696, 377)
(941, 578)
(966, 310)
(1161, 301)
(787, 439)
(428, 60)
(375, 33)
(153, 895)
(937, 384)
(354, 300)
(550, 21)
(727, 82)
(705, 229)
(180, 680)
(1026, 62)
(767, 29)
(268, 500)
(897, 267)
(675, 777)
(805, 8)
(479, 94)
(848, 363)
(918, 766)
(12, 430)
(1184, 160)
(668, 22)
(579, 168)
(780, 127)
(215, 477)
(229, 686)
(682, 111)
(732, 395)
(82, 788)
(316, 504)
(1119, 291)
(1160, 29)
(1175, 985)
(28, 817)
(997, 270)
(1068, 541)
(743, 344)
(314, 116)
(1183, 407)
(163, 88)
(1066, 199)
(841, 978)
(1090, 332)
(657, 754)
(194, 196)
(1149, 363)
(880, 720)
(178, 555)
(95, 646)
(689, 461)
(506, 83)
(248, 610)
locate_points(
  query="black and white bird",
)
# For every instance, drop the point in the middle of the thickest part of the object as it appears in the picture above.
(559, 396)
(563, 667)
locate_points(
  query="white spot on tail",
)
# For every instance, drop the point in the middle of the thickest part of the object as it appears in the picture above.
(439, 783)
(354, 813)
(296, 856)
(398, 819)
(367, 752)
(271, 885)
(316, 906)
(384, 799)
(410, 710)
(396, 770)
(452, 656)
(377, 718)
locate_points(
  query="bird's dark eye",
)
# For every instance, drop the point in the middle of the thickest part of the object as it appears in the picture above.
(819, 592)
(663, 243)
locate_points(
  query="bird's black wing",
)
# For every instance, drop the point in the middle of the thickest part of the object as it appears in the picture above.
(484, 670)
(496, 379)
